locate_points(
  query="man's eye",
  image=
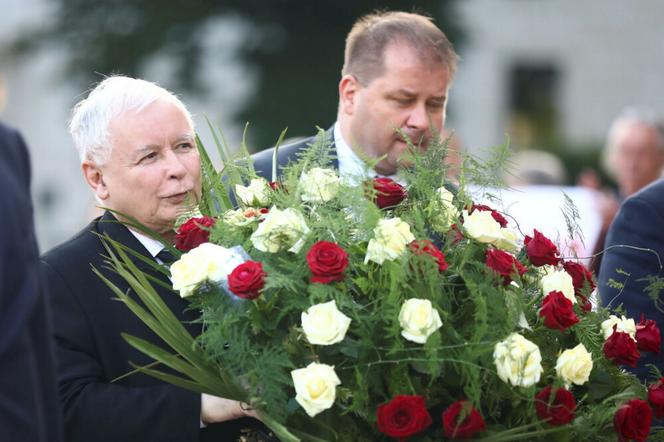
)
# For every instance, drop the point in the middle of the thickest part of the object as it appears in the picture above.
(185, 146)
(149, 156)
(436, 105)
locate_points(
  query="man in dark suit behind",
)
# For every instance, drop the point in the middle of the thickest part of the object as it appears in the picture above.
(29, 409)
(398, 68)
(138, 154)
(639, 224)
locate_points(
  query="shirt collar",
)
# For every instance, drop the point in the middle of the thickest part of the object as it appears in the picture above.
(153, 246)
(351, 166)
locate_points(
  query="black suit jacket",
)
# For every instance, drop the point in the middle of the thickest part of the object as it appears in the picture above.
(640, 223)
(286, 154)
(29, 409)
(91, 352)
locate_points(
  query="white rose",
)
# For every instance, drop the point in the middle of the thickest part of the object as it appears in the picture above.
(255, 194)
(281, 229)
(508, 240)
(558, 280)
(324, 324)
(518, 361)
(391, 238)
(205, 262)
(574, 365)
(448, 214)
(622, 324)
(481, 226)
(315, 387)
(319, 185)
(418, 320)
(241, 217)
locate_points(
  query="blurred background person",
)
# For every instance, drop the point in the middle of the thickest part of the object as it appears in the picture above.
(634, 158)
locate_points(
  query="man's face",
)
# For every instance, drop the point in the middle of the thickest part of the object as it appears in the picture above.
(154, 167)
(640, 158)
(410, 96)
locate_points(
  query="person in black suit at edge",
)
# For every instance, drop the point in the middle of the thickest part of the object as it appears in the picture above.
(29, 407)
(138, 155)
(398, 68)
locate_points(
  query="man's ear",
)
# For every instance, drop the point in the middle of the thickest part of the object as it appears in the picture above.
(94, 176)
(348, 88)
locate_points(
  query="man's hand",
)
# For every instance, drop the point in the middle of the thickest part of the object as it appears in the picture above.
(217, 409)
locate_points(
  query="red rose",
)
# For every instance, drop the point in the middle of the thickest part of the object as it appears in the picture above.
(426, 246)
(461, 421)
(558, 311)
(558, 410)
(505, 264)
(541, 250)
(403, 417)
(497, 217)
(647, 335)
(327, 262)
(388, 192)
(456, 234)
(621, 348)
(247, 279)
(581, 276)
(632, 421)
(193, 233)
(584, 303)
(656, 397)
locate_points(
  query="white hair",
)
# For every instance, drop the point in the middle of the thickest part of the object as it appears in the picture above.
(112, 97)
(628, 117)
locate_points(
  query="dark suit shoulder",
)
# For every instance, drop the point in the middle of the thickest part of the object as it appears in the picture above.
(84, 246)
(287, 153)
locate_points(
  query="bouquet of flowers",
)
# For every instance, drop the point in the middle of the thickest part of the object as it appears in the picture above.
(349, 309)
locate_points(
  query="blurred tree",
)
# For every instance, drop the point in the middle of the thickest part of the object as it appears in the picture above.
(295, 47)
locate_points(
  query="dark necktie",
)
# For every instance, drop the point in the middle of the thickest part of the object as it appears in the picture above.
(166, 257)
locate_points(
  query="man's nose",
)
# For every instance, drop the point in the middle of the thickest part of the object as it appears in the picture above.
(419, 117)
(175, 166)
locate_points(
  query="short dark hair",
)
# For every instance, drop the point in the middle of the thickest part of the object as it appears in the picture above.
(371, 34)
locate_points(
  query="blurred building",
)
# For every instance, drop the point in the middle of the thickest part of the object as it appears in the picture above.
(556, 68)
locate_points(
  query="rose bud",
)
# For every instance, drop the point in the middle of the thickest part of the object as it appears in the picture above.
(427, 247)
(457, 427)
(247, 279)
(504, 263)
(581, 277)
(632, 420)
(647, 335)
(388, 192)
(558, 311)
(193, 233)
(656, 397)
(500, 219)
(556, 411)
(540, 250)
(584, 303)
(403, 416)
(621, 349)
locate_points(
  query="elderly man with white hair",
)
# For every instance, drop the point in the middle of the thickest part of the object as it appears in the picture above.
(138, 155)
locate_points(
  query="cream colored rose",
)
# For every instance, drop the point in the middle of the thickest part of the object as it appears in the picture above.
(281, 229)
(481, 226)
(447, 213)
(391, 238)
(518, 361)
(418, 320)
(255, 194)
(324, 324)
(574, 365)
(508, 241)
(319, 185)
(558, 280)
(623, 324)
(205, 262)
(241, 217)
(315, 387)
